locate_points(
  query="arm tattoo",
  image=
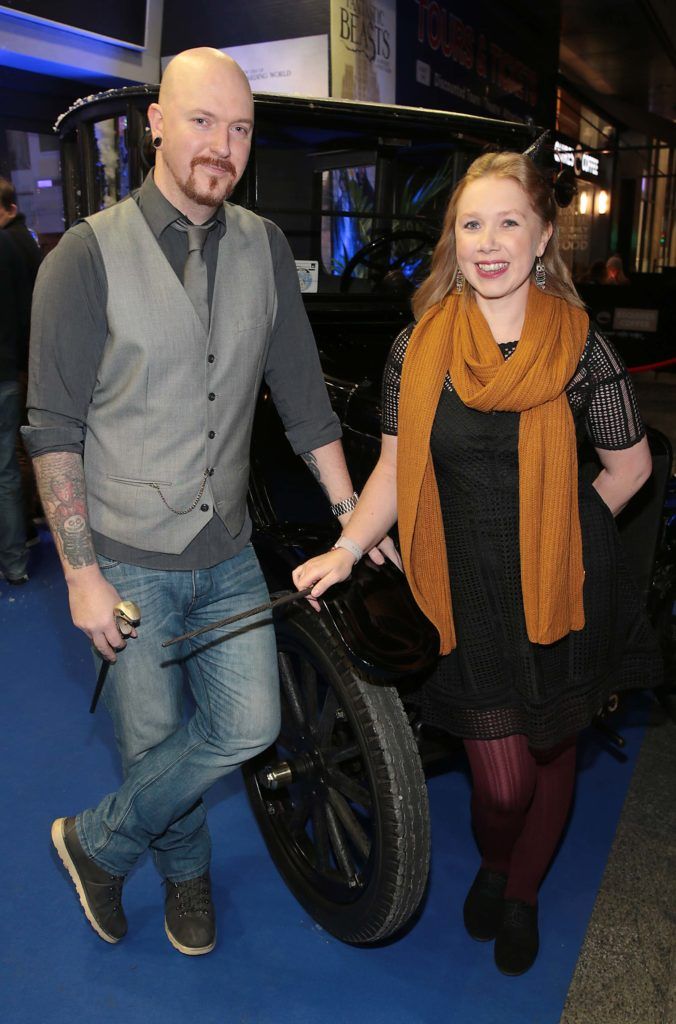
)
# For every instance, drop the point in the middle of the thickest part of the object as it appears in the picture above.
(60, 477)
(311, 463)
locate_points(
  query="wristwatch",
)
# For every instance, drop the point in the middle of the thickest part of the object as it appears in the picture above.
(346, 505)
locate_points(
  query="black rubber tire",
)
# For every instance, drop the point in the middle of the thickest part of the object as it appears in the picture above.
(352, 735)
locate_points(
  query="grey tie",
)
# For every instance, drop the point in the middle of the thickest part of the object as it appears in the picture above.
(195, 277)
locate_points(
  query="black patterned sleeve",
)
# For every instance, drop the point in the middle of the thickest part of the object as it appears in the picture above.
(613, 419)
(392, 381)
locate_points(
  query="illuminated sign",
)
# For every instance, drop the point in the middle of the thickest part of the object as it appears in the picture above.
(363, 50)
(564, 154)
(590, 164)
(285, 66)
(581, 161)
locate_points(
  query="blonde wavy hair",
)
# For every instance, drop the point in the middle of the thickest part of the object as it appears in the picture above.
(444, 268)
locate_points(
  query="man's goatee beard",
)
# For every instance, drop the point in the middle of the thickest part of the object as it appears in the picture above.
(211, 198)
(216, 195)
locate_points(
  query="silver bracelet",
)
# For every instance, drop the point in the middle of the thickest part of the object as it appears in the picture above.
(351, 546)
(346, 505)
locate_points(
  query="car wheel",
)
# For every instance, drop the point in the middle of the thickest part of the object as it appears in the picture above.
(340, 797)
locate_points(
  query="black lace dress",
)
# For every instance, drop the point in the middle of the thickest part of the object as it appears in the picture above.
(496, 682)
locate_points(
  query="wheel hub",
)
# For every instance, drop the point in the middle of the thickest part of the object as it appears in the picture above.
(277, 775)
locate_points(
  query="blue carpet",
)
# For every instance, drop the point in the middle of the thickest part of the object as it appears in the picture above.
(272, 964)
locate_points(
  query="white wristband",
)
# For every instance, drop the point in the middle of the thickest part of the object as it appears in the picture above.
(351, 546)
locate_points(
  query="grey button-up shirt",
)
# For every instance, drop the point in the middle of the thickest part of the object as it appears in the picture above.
(69, 331)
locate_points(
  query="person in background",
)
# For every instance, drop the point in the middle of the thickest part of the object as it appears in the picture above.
(513, 557)
(19, 261)
(172, 300)
(615, 271)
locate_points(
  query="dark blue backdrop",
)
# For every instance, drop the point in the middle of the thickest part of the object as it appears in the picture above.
(495, 59)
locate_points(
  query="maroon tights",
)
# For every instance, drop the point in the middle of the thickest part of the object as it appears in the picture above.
(520, 802)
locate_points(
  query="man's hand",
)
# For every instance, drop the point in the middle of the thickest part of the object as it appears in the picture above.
(61, 482)
(92, 600)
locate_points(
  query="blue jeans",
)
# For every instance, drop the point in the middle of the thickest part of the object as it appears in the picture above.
(13, 554)
(169, 763)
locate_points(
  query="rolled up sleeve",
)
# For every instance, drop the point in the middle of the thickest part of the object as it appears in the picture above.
(293, 371)
(68, 334)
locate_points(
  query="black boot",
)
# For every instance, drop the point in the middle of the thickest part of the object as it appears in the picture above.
(482, 911)
(517, 941)
(189, 919)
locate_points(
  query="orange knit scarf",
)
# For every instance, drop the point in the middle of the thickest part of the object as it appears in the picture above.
(454, 337)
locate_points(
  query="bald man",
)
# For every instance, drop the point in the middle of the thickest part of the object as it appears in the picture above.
(145, 367)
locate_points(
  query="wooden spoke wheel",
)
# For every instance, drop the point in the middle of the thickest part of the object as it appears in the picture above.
(341, 797)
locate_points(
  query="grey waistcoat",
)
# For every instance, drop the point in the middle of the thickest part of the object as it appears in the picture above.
(164, 385)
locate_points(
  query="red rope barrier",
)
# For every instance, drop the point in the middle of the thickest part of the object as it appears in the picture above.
(652, 366)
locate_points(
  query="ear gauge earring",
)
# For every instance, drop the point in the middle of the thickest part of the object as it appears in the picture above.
(540, 273)
(157, 142)
(459, 281)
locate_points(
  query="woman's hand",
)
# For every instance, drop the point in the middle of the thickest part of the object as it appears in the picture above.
(322, 572)
(624, 473)
(386, 550)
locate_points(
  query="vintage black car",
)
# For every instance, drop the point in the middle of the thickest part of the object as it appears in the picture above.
(359, 190)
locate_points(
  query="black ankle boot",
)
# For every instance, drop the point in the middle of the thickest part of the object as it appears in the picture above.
(482, 912)
(517, 941)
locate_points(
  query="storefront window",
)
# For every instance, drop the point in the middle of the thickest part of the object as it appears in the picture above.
(657, 210)
(31, 161)
(582, 146)
(575, 223)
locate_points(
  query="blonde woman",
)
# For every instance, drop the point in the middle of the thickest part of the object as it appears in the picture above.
(513, 558)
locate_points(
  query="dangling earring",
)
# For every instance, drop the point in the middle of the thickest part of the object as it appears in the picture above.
(157, 142)
(540, 273)
(459, 281)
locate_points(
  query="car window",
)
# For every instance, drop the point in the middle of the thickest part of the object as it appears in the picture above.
(358, 189)
(361, 212)
(111, 161)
